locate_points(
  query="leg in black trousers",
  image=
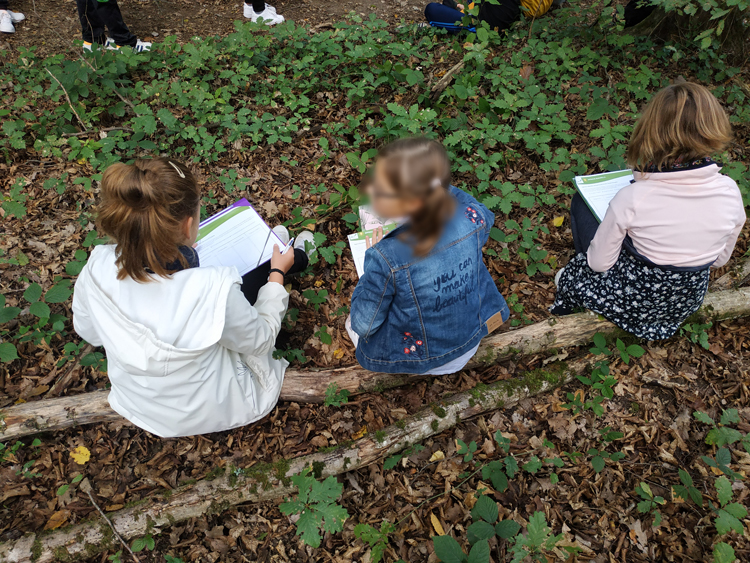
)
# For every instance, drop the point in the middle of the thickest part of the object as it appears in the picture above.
(258, 5)
(257, 278)
(583, 223)
(95, 16)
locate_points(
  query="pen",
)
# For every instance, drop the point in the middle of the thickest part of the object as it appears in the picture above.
(288, 246)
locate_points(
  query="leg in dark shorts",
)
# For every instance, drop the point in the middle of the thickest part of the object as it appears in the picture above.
(257, 278)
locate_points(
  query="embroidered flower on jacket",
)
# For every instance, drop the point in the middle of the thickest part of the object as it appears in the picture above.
(473, 216)
(412, 346)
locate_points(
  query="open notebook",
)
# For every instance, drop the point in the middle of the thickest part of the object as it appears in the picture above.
(597, 190)
(237, 236)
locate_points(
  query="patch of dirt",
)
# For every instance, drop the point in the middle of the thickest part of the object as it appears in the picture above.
(52, 26)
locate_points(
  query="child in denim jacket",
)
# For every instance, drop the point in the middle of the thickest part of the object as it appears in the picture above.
(426, 298)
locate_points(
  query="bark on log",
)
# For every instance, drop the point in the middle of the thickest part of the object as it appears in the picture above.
(310, 386)
(261, 483)
(734, 278)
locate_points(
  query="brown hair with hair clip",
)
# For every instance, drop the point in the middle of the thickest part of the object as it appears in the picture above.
(418, 167)
(143, 208)
(682, 122)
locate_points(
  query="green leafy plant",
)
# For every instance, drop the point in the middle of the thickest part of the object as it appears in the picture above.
(649, 502)
(146, 542)
(336, 397)
(696, 333)
(376, 539)
(316, 506)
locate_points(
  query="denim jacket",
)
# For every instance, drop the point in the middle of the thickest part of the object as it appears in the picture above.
(414, 314)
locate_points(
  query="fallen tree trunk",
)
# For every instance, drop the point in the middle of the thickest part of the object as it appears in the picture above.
(737, 276)
(310, 386)
(266, 482)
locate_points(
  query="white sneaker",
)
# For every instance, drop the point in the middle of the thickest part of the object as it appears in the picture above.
(110, 45)
(267, 16)
(6, 22)
(282, 233)
(16, 17)
(305, 237)
(142, 46)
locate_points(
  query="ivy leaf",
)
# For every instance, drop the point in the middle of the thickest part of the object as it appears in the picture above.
(486, 509)
(723, 490)
(448, 550)
(506, 529)
(33, 293)
(480, 553)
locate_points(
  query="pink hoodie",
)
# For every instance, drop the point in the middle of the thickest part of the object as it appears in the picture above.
(677, 218)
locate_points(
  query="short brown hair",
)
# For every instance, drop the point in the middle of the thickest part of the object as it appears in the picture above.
(681, 122)
(419, 167)
(142, 208)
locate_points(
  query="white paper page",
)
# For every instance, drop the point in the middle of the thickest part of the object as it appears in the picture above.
(599, 189)
(239, 238)
(369, 220)
(358, 245)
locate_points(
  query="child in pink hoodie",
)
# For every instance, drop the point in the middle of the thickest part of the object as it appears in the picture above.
(646, 267)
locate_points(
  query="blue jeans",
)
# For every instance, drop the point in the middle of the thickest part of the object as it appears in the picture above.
(498, 16)
(445, 17)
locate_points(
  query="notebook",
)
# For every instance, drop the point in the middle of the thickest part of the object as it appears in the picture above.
(597, 190)
(238, 237)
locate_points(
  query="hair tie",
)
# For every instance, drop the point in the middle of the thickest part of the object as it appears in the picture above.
(436, 183)
(180, 172)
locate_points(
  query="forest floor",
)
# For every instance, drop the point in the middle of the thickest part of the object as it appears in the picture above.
(653, 403)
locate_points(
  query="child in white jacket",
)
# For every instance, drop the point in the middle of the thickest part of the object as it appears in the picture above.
(187, 353)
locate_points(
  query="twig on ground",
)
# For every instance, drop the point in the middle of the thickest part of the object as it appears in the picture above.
(115, 90)
(114, 531)
(67, 97)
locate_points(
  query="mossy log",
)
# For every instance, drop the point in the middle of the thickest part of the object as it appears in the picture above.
(737, 276)
(310, 386)
(260, 482)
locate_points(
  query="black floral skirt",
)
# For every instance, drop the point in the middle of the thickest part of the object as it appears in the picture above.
(649, 302)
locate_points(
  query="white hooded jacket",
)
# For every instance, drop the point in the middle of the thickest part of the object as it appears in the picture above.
(187, 354)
